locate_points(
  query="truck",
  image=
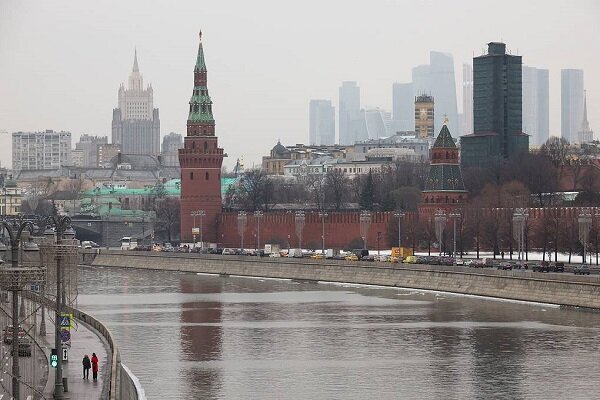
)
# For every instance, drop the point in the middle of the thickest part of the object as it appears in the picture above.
(331, 253)
(128, 243)
(295, 253)
(401, 252)
(271, 248)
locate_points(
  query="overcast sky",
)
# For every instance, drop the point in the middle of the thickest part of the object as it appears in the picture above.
(61, 62)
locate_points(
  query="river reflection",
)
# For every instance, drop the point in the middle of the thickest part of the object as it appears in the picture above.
(190, 336)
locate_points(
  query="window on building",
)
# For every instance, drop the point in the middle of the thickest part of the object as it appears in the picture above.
(191, 176)
(206, 176)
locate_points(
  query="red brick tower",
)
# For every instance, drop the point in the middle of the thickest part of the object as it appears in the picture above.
(200, 161)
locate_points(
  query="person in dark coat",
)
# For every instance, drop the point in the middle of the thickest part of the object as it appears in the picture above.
(86, 367)
(95, 366)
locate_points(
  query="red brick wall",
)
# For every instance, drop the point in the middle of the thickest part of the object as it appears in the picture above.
(340, 229)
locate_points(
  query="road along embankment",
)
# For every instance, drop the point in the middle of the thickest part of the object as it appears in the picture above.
(554, 288)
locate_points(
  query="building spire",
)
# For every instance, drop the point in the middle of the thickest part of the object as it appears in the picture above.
(135, 63)
(200, 63)
(585, 125)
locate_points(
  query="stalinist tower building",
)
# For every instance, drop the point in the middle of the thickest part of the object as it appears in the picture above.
(200, 161)
(136, 125)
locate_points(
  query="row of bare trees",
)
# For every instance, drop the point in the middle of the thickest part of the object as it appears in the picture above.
(397, 185)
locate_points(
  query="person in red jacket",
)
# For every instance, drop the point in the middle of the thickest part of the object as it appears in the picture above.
(95, 366)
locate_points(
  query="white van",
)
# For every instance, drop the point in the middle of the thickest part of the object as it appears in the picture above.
(128, 243)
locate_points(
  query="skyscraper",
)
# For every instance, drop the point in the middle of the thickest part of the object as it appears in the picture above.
(321, 122)
(536, 105)
(437, 79)
(378, 123)
(200, 160)
(349, 112)
(424, 116)
(571, 103)
(467, 84)
(403, 102)
(497, 109)
(136, 123)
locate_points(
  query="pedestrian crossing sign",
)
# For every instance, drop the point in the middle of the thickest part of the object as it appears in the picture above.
(66, 321)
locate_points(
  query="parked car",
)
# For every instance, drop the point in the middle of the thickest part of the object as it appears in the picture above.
(581, 270)
(557, 267)
(505, 266)
(317, 256)
(229, 252)
(368, 258)
(460, 262)
(88, 244)
(275, 255)
(351, 257)
(544, 266)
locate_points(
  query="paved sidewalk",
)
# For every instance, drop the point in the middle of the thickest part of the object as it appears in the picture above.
(83, 341)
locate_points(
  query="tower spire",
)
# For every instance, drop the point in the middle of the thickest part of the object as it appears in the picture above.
(585, 125)
(135, 63)
(200, 63)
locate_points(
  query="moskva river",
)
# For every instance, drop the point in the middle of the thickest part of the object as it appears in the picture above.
(189, 336)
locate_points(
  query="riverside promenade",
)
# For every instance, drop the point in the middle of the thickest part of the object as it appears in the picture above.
(83, 341)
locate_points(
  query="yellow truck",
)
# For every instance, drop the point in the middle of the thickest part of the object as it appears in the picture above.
(401, 252)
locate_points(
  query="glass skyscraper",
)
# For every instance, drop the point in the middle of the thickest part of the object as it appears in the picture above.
(497, 108)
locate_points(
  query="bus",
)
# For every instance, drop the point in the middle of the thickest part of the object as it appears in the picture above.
(128, 243)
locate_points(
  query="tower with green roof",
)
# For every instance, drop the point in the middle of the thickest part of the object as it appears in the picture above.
(444, 187)
(200, 160)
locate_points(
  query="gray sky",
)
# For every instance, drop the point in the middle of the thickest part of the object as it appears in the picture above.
(61, 62)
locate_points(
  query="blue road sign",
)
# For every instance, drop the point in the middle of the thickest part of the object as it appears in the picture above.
(65, 336)
(65, 320)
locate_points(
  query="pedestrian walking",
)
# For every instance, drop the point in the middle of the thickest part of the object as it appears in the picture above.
(86, 367)
(94, 366)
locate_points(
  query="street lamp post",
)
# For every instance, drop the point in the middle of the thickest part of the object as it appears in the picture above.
(378, 249)
(258, 215)
(585, 223)
(15, 240)
(399, 214)
(365, 222)
(62, 225)
(323, 215)
(520, 216)
(440, 224)
(242, 220)
(299, 219)
(454, 215)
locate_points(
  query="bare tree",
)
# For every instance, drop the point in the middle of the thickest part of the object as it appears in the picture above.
(336, 188)
(167, 216)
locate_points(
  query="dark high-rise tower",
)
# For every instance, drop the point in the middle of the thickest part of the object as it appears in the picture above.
(497, 108)
(200, 160)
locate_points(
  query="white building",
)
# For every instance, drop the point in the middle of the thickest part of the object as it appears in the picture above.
(136, 123)
(41, 150)
(402, 140)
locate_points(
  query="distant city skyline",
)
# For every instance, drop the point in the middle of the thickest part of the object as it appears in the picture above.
(265, 68)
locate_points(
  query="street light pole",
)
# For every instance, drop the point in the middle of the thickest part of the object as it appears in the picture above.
(585, 223)
(299, 219)
(399, 214)
(258, 215)
(201, 213)
(440, 223)
(323, 215)
(61, 223)
(242, 219)
(454, 215)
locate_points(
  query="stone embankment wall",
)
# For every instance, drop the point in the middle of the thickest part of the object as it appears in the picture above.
(562, 289)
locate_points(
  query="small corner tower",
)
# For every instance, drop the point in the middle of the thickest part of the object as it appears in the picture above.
(444, 188)
(200, 161)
